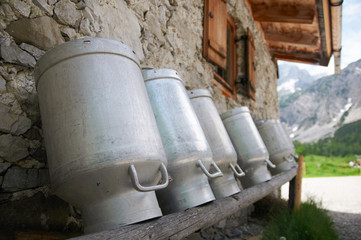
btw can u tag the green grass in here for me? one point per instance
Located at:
(321, 166)
(308, 223)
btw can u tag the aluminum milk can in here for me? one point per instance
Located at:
(104, 150)
(224, 154)
(251, 151)
(278, 143)
(188, 153)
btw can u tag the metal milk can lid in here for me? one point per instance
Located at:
(234, 111)
(198, 93)
(150, 73)
(80, 47)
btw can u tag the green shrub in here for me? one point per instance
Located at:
(308, 223)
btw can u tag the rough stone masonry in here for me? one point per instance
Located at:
(163, 33)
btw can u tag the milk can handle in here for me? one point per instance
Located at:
(218, 172)
(288, 158)
(270, 163)
(237, 170)
(140, 188)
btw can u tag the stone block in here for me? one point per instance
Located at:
(13, 54)
(39, 154)
(22, 7)
(13, 123)
(33, 134)
(9, 99)
(34, 51)
(68, 33)
(23, 86)
(17, 179)
(43, 5)
(66, 13)
(2, 84)
(8, 12)
(42, 32)
(4, 166)
(13, 148)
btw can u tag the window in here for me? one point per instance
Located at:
(219, 47)
(226, 78)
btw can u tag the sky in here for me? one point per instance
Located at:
(350, 40)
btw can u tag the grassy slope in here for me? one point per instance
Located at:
(321, 166)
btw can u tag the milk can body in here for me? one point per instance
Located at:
(186, 147)
(100, 133)
(224, 154)
(251, 151)
(278, 143)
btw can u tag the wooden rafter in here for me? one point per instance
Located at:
(296, 56)
(291, 13)
(296, 38)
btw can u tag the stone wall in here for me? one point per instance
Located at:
(163, 33)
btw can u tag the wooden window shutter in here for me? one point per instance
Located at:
(215, 32)
(251, 65)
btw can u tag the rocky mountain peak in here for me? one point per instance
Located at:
(319, 109)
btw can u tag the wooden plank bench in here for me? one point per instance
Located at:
(181, 224)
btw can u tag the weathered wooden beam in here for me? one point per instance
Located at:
(276, 12)
(294, 38)
(181, 224)
(302, 57)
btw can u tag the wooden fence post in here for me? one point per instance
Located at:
(291, 193)
(298, 190)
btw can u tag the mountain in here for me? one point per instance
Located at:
(292, 79)
(325, 105)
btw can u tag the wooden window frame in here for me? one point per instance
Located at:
(217, 48)
(214, 30)
(229, 89)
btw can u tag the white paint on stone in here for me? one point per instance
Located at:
(117, 22)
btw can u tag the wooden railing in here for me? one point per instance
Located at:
(181, 224)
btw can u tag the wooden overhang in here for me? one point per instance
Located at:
(306, 31)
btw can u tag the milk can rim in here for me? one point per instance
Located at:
(79, 47)
(201, 92)
(150, 74)
(234, 112)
